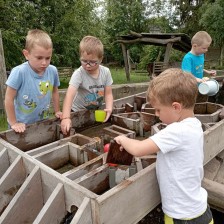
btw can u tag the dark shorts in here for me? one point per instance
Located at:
(205, 218)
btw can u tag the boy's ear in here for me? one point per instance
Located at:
(25, 53)
(177, 106)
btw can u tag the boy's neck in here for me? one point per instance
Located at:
(193, 52)
(186, 113)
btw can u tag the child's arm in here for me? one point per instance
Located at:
(108, 101)
(67, 105)
(56, 102)
(136, 147)
(210, 72)
(10, 110)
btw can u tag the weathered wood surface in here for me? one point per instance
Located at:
(21, 208)
(54, 209)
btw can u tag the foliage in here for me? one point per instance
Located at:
(121, 17)
(66, 21)
(213, 25)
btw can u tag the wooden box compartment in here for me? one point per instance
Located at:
(128, 120)
(21, 193)
(207, 112)
(114, 130)
(66, 157)
(146, 107)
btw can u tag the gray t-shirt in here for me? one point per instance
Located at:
(90, 90)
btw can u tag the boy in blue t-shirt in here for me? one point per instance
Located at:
(32, 84)
(193, 61)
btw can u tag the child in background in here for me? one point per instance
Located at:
(193, 61)
(89, 84)
(32, 84)
(179, 148)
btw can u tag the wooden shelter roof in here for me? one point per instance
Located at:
(181, 41)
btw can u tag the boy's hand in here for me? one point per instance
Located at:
(19, 127)
(118, 139)
(212, 72)
(109, 112)
(66, 124)
(58, 114)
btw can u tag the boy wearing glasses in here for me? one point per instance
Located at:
(90, 84)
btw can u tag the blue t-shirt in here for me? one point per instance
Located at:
(34, 92)
(193, 64)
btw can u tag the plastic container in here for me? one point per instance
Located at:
(100, 115)
(210, 87)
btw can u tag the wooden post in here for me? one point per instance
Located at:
(125, 61)
(3, 76)
(167, 53)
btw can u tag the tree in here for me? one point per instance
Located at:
(120, 18)
(212, 20)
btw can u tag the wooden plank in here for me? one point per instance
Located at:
(131, 194)
(11, 181)
(84, 214)
(54, 209)
(215, 192)
(84, 168)
(220, 175)
(22, 208)
(211, 169)
(213, 141)
(4, 161)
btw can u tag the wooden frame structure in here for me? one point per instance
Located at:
(178, 41)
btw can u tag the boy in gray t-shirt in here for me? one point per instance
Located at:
(89, 84)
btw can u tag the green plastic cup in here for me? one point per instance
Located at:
(100, 115)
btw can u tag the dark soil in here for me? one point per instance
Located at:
(156, 216)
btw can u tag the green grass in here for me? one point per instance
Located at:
(119, 77)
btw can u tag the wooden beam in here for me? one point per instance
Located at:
(150, 40)
(167, 53)
(3, 76)
(124, 51)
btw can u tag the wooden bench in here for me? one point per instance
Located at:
(65, 72)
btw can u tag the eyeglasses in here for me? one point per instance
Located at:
(90, 63)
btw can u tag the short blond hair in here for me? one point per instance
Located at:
(91, 45)
(173, 85)
(38, 37)
(200, 38)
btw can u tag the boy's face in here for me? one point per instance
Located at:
(39, 58)
(167, 114)
(90, 62)
(201, 49)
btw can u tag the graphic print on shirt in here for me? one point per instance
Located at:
(45, 87)
(29, 104)
(45, 113)
(94, 100)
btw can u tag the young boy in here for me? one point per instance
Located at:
(89, 84)
(31, 85)
(179, 148)
(193, 61)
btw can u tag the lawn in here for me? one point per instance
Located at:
(118, 75)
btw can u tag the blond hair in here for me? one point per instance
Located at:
(201, 38)
(38, 37)
(91, 45)
(173, 85)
